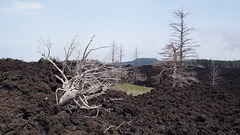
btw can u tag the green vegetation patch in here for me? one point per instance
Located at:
(131, 89)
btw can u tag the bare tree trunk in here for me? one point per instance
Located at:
(120, 61)
(136, 57)
(214, 75)
(113, 51)
(121, 55)
(181, 40)
(136, 65)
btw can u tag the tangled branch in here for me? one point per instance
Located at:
(88, 78)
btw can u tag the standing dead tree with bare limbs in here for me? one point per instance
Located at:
(180, 48)
(123, 73)
(215, 74)
(87, 80)
(121, 54)
(114, 51)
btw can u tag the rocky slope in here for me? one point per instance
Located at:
(27, 106)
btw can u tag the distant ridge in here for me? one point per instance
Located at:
(190, 62)
(141, 62)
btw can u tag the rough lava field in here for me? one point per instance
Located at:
(28, 105)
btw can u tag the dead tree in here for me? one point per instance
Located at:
(180, 47)
(136, 72)
(215, 75)
(113, 51)
(180, 37)
(121, 50)
(88, 79)
(170, 67)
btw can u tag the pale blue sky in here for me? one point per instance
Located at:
(131, 23)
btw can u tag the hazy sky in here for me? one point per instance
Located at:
(131, 23)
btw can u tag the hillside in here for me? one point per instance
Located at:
(141, 62)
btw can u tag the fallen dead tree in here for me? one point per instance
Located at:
(88, 79)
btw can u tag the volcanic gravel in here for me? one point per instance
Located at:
(28, 105)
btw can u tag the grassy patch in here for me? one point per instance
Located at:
(131, 89)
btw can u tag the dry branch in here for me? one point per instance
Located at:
(117, 127)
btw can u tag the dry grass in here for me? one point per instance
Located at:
(131, 89)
